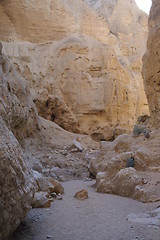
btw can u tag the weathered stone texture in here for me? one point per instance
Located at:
(141, 182)
(92, 62)
(16, 104)
(43, 21)
(84, 85)
(16, 188)
(17, 120)
(151, 64)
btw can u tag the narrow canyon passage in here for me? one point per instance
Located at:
(100, 217)
(79, 100)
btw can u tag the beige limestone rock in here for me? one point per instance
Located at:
(84, 86)
(16, 182)
(58, 188)
(140, 182)
(43, 184)
(41, 200)
(18, 119)
(64, 139)
(16, 104)
(151, 66)
(125, 181)
(92, 61)
(45, 21)
(81, 195)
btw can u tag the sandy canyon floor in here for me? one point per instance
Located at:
(100, 217)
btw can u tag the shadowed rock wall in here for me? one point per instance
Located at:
(18, 120)
(151, 64)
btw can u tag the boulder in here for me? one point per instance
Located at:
(81, 195)
(58, 188)
(41, 200)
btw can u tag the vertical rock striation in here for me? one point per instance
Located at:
(18, 119)
(151, 64)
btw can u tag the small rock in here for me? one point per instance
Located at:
(57, 186)
(61, 178)
(87, 179)
(74, 150)
(53, 195)
(76, 145)
(81, 195)
(49, 236)
(43, 184)
(130, 162)
(37, 167)
(59, 197)
(41, 201)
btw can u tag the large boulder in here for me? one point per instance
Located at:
(140, 182)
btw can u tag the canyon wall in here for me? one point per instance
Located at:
(18, 119)
(89, 61)
(81, 68)
(151, 64)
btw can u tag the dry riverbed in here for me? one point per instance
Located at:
(100, 217)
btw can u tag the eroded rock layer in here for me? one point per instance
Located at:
(17, 120)
(139, 180)
(21, 127)
(92, 63)
(151, 64)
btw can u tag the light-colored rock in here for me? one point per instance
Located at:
(92, 62)
(76, 146)
(17, 120)
(125, 182)
(41, 200)
(43, 184)
(81, 195)
(16, 105)
(58, 188)
(84, 85)
(140, 182)
(59, 197)
(37, 167)
(151, 66)
(45, 21)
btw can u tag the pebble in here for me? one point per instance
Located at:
(59, 197)
(49, 236)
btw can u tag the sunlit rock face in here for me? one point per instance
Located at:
(44, 21)
(18, 119)
(151, 64)
(88, 74)
(142, 180)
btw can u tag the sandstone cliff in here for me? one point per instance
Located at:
(92, 63)
(43, 21)
(142, 181)
(151, 66)
(21, 127)
(17, 120)
(84, 74)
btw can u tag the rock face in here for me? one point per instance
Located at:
(141, 182)
(17, 120)
(151, 66)
(92, 62)
(45, 21)
(83, 67)
(16, 104)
